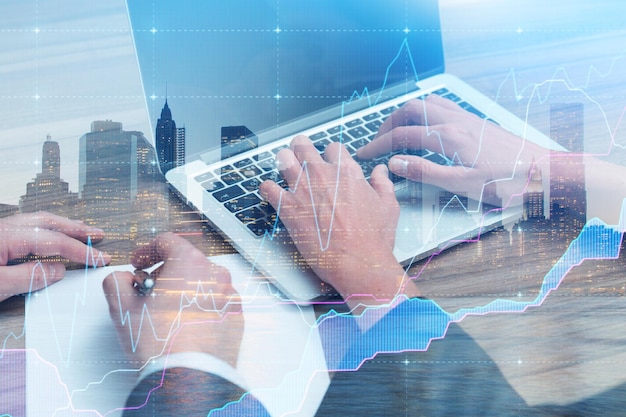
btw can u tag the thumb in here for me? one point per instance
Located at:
(419, 169)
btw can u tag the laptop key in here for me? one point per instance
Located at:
(453, 97)
(273, 176)
(204, 177)
(367, 168)
(250, 215)
(231, 178)
(267, 164)
(280, 148)
(250, 171)
(388, 110)
(317, 136)
(337, 138)
(465, 105)
(266, 207)
(353, 123)
(228, 193)
(359, 143)
(251, 185)
(321, 144)
(241, 203)
(259, 227)
(396, 179)
(242, 163)
(374, 126)
(418, 152)
(213, 185)
(358, 132)
(371, 116)
(275, 224)
(334, 130)
(262, 156)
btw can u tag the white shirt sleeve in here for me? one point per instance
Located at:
(198, 361)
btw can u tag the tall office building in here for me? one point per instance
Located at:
(170, 141)
(534, 195)
(112, 161)
(179, 154)
(48, 191)
(116, 174)
(568, 197)
(8, 210)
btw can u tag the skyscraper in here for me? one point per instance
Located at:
(568, 197)
(111, 161)
(48, 191)
(170, 141)
(180, 147)
(116, 174)
(534, 195)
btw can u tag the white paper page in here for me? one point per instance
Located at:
(75, 363)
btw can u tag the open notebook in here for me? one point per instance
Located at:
(75, 365)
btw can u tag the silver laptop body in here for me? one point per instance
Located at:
(224, 189)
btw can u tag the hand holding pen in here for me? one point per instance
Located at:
(192, 304)
(144, 282)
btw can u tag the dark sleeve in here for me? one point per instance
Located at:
(453, 377)
(188, 392)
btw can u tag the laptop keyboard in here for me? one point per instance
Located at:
(236, 185)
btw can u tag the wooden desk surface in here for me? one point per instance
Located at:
(572, 346)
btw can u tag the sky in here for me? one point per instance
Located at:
(64, 64)
(62, 67)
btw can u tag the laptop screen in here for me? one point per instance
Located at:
(262, 63)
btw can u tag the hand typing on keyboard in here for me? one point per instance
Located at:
(481, 151)
(343, 225)
(181, 319)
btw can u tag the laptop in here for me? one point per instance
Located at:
(258, 73)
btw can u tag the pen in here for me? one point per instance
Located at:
(143, 282)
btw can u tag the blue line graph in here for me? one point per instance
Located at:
(416, 322)
(428, 321)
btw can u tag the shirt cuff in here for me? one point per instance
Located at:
(195, 360)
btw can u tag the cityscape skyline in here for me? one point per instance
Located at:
(112, 87)
(120, 187)
(47, 191)
(56, 81)
(567, 129)
(113, 163)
